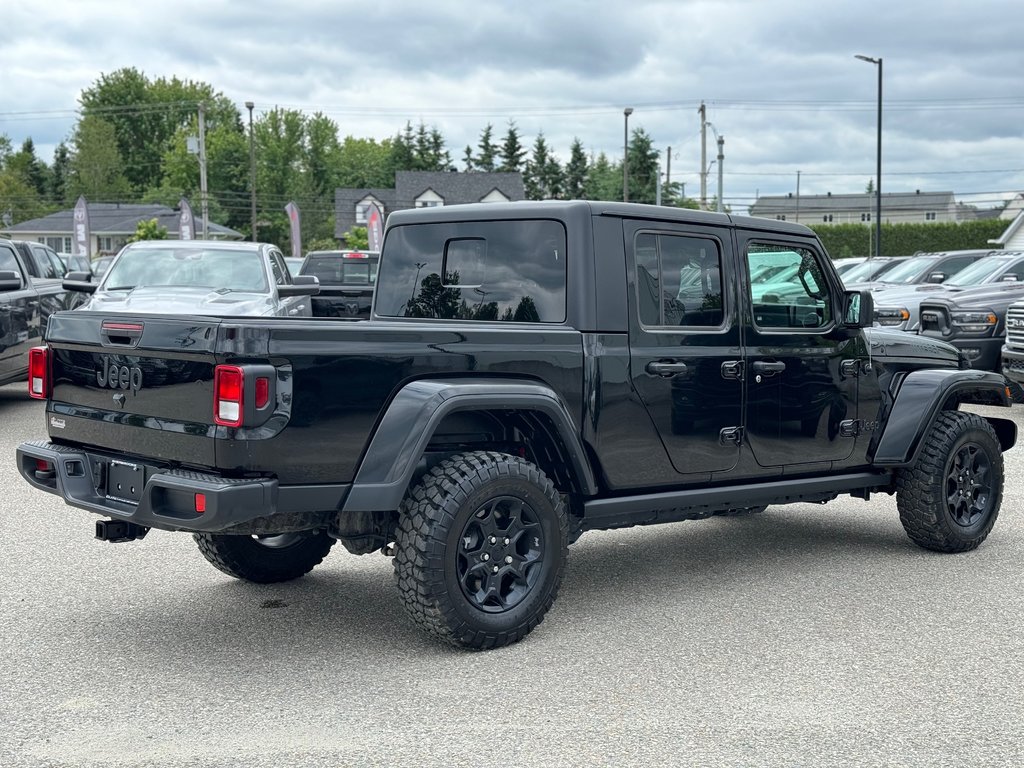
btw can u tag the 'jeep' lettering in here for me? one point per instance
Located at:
(119, 376)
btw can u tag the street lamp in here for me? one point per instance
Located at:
(878, 170)
(252, 171)
(625, 155)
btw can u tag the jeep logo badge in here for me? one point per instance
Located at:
(119, 376)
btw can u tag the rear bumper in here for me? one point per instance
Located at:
(167, 497)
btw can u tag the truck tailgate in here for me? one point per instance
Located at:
(136, 385)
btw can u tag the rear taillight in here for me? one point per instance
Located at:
(228, 393)
(39, 372)
(242, 394)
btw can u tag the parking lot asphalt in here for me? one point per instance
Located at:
(808, 635)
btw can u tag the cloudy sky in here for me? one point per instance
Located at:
(779, 78)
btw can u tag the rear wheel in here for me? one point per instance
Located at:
(480, 549)
(949, 500)
(265, 559)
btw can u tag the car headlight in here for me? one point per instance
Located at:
(974, 322)
(891, 315)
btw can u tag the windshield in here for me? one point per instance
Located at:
(166, 265)
(863, 271)
(338, 269)
(910, 271)
(979, 272)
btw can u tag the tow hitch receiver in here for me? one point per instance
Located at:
(119, 530)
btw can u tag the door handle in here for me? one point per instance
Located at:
(665, 368)
(768, 368)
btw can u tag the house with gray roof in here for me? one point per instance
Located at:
(110, 225)
(897, 208)
(425, 189)
(1012, 238)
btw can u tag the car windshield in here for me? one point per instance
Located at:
(863, 271)
(910, 271)
(980, 271)
(167, 265)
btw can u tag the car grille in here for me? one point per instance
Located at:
(935, 319)
(1015, 327)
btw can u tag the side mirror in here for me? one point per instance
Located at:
(9, 280)
(79, 281)
(302, 285)
(858, 309)
(936, 277)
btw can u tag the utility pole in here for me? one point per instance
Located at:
(625, 153)
(657, 185)
(798, 197)
(703, 158)
(668, 169)
(721, 158)
(202, 170)
(252, 172)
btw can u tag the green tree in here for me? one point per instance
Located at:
(357, 238)
(18, 201)
(543, 175)
(512, 154)
(29, 168)
(363, 163)
(56, 190)
(467, 159)
(148, 230)
(576, 172)
(643, 168)
(604, 180)
(146, 115)
(488, 151)
(96, 163)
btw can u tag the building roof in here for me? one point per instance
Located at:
(453, 187)
(891, 201)
(115, 219)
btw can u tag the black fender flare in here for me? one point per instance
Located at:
(920, 399)
(403, 433)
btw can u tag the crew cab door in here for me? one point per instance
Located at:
(801, 366)
(684, 341)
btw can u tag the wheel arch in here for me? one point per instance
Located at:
(926, 393)
(428, 413)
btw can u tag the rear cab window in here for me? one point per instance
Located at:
(342, 267)
(502, 271)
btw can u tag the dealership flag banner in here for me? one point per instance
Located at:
(80, 236)
(374, 226)
(293, 218)
(186, 221)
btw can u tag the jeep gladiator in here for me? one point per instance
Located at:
(529, 372)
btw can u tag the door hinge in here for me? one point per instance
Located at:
(731, 435)
(849, 428)
(849, 367)
(732, 369)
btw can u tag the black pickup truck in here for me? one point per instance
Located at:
(30, 291)
(530, 371)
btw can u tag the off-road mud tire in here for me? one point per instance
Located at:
(949, 500)
(265, 559)
(450, 539)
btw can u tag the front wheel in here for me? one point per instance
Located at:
(265, 559)
(480, 549)
(949, 500)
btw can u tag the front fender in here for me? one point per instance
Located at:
(404, 432)
(922, 395)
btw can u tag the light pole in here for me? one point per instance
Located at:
(878, 169)
(625, 155)
(252, 172)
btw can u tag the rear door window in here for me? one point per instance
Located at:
(505, 271)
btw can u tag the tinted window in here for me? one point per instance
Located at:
(44, 267)
(678, 280)
(496, 270)
(797, 296)
(336, 269)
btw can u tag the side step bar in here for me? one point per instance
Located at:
(649, 508)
